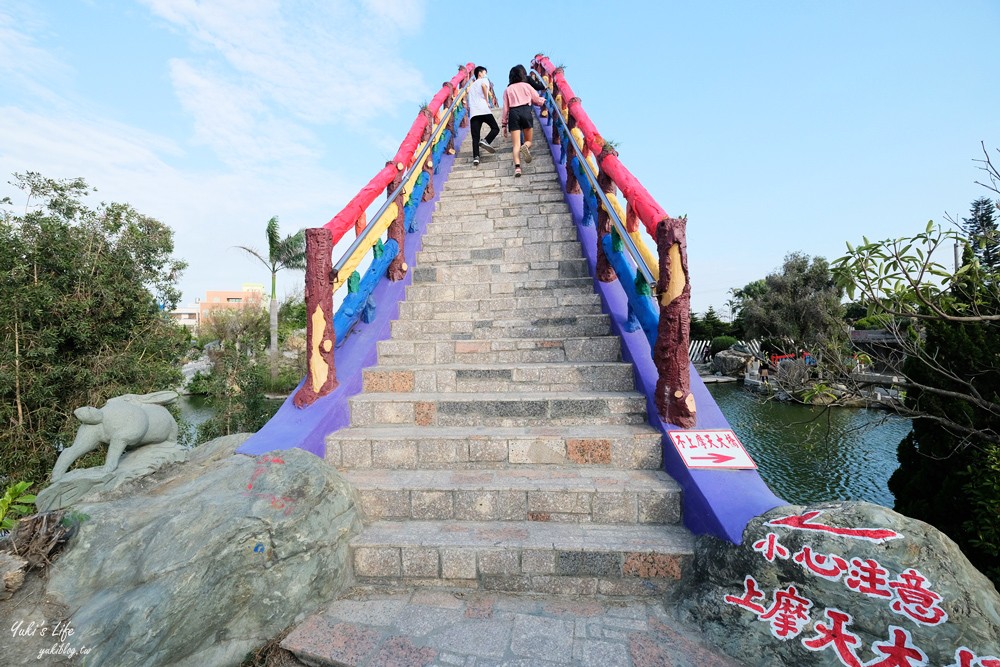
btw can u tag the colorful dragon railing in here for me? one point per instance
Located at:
(407, 180)
(618, 232)
(718, 502)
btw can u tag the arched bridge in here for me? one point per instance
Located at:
(507, 364)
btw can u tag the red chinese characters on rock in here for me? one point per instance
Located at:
(771, 548)
(916, 601)
(899, 651)
(829, 566)
(788, 614)
(805, 522)
(869, 578)
(751, 592)
(833, 634)
(964, 657)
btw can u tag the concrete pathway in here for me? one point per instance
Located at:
(426, 627)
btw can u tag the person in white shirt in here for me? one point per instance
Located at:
(480, 110)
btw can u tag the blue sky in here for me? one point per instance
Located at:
(775, 126)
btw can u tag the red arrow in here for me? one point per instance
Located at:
(804, 522)
(714, 457)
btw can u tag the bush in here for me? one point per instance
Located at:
(200, 384)
(720, 343)
(874, 322)
(84, 289)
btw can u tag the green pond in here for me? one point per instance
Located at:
(197, 409)
(808, 454)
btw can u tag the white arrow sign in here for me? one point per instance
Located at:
(715, 448)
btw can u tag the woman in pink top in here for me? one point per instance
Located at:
(517, 101)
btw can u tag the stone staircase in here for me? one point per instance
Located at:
(500, 444)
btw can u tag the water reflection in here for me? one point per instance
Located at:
(198, 409)
(811, 455)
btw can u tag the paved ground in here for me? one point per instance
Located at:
(430, 627)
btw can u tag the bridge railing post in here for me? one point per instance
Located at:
(674, 399)
(605, 272)
(397, 228)
(321, 374)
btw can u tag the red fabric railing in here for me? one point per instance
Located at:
(355, 208)
(649, 212)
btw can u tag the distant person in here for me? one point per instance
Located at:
(481, 103)
(532, 80)
(517, 101)
(764, 371)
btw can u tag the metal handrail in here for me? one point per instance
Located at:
(605, 202)
(417, 163)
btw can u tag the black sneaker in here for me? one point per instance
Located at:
(475, 162)
(486, 147)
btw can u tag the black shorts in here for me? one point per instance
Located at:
(519, 118)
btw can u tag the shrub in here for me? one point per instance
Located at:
(720, 343)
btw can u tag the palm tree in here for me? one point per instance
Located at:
(286, 253)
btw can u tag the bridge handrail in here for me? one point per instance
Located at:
(355, 209)
(629, 242)
(410, 172)
(391, 169)
(668, 331)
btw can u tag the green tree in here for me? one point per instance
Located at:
(946, 323)
(236, 384)
(282, 253)
(800, 303)
(714, 323)
(82, 295)
(981, 230)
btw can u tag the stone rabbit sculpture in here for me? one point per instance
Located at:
(124, 422)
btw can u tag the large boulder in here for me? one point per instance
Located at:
(196, 564)
(730, 362)
(850, 577)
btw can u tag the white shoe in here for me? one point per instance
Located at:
(486, 147)
(526, 154)
(475, 162)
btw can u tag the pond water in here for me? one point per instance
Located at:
(808, 454)
(198, 409)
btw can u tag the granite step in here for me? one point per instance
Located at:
(481, 201)
(500, 238)
(576, 494)
(551, 302)
(570, 326)
(598, 446)
(496, 271)
(520, 288)
(398, 351)
(543, 557)
(522, 253)
(498, 409)
(520, 218)
(412, 627)
(499, 378)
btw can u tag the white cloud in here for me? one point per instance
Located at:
(406, 15)
(209, 211)
(235, 123)
(270, 87)
(23, 64)
(317, 62)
